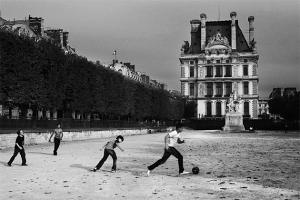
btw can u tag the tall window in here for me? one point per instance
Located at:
(245, 70)
(246, 108)
(219, 89)
(192, 69)
(218, 108)
(192, 89)
(208, 109)
(228, 87)
(182, 88)
(246, 87)
(209, 71)
(228, 71)
(182, 72)
(209, 89)
(219, 71)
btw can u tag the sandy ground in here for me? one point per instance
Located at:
(263, 165)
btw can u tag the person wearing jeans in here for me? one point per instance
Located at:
(109, 151)
(57, 138)
(170, 140)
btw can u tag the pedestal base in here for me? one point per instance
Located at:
(234, 122)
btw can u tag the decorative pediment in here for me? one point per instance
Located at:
(218, 41)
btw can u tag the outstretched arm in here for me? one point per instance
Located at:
(180, 140)
(51, 136)
(120, 147)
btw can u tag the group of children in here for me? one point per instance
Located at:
(170, 140)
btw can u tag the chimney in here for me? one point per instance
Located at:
(251, 29)
(61, 36)
(203, 30)
(233, 30)
(42, 28)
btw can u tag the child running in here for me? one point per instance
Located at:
(170, 140)
(19, 149)
(109, 150)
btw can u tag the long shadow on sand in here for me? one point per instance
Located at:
(80, 166)
(43, 153)
(5, 163)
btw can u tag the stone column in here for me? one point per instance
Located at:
(213, 107)
(223, 107)
(54, 115)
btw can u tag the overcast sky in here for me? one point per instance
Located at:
(149, 33)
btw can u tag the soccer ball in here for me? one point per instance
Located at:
(195, 170)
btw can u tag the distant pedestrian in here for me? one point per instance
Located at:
(19, 148)
(58, 135)
(109, 151)
(170, 140)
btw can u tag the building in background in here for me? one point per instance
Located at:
(218, 61)
(128, 70)
(33, 27)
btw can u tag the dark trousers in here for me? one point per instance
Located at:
(108, 152)
(168, 152)
(56, 145)
(22, 153)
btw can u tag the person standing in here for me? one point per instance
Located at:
(19, 148)
(109, 151)
(58, 135)
(170, 140)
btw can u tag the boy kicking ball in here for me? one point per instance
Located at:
(109, 150)
(170, 140)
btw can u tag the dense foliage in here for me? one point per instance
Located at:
(40, 76)
(286, 106)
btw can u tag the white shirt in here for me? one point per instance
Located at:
(173, 137)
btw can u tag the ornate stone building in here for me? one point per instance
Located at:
(219, 61)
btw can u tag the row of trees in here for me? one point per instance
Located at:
(287, 106)
(40, 76)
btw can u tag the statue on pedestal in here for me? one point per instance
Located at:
(233, 118)
(233, 103)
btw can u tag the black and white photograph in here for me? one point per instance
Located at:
(150, 99)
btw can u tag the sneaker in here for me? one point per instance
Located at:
(184, 172)
(93, 170)
(113, 171)
(148, 172)
(24, 165)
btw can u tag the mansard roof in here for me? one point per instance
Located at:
(214, 27)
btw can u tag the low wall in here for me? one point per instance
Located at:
(8, 140)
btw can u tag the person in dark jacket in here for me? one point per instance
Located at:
(19, 148)
(109, 151)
